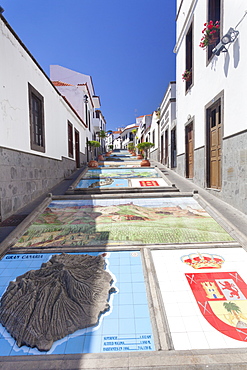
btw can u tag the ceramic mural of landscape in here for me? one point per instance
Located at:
(121, 172)
(103, 183)
(123, 221)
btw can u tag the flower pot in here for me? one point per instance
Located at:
(134, 153)
(187, 78)
(140, 156)
(213, 40)
(100, 157)
(93, 164)
(107, 154)
(145, 163)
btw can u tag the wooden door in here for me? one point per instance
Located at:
(189, 147)
(77, 148)
(162, 148)
(173, 148)
(215, 137)
(166, 147)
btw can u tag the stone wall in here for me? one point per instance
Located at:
(25, 176)
(234, 172)
(180, 169)
(199, 167)
(154, 156)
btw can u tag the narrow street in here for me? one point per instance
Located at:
(152, 275)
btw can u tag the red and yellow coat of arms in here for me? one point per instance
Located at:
(221, 297)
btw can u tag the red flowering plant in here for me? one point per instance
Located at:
(210, 34)
(186, 76)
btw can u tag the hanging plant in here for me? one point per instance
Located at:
(210, 34)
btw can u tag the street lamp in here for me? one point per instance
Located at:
(228, 38)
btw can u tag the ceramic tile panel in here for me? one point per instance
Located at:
(206, 307)
(127, 221)
(121, 173)
(102, 184)
(148, 182)
(125, 327)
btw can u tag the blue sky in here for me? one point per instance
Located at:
(125, 45)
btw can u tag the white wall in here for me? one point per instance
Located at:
(14, 105)
(225, 72)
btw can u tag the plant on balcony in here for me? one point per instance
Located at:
(210, 34)
(186, 76)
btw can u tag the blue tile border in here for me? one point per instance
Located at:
(121, 322)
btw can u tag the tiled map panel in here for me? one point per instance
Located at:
(121, 173)
(102, 184)
(123, 222)
(205, 296)
(126, 327)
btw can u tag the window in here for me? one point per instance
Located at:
(189, 57)
(36, 114)
(153, 136)
(214, 14)
(70, 140)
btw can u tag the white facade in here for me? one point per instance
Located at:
(211, 110)
(167, 127)
(117, 143)
(35, 153)
(14, 111)
(127, 135)
(143, 123)
(79, 91)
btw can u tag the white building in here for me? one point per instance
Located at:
(78, 89)
(211, 109)
(127, 135)
(167, 127)
(143, 123)
(43, 138)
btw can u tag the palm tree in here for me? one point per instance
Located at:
(235, 313)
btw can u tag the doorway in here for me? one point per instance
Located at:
(214, 138)
(173, 148)
(166, 148)
(162, 148)
(77, 149)
(189, 151)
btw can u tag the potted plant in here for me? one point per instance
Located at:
(100, 156)
(110, 147)
(92, 145)
(210, 34)
(131, 148)
(186, 76)
(145, 146)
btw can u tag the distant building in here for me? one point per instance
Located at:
(78, 89)
(127, 135)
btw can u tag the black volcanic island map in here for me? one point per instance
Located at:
(67, 293)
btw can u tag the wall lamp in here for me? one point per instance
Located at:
(85, 99)
(229, 37)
